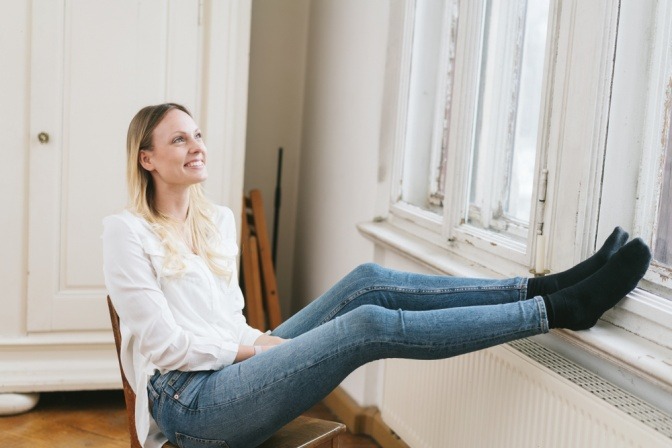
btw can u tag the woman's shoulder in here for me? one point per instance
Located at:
(222, 214)
(224, 220)
(222, 211)
(126, 220)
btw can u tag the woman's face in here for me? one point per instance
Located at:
(178, 156)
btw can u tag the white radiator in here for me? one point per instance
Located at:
(517, 395)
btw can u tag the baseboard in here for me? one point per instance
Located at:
(58, 363)
(362, 420)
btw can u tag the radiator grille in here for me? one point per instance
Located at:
(517, 395)
(597, 386)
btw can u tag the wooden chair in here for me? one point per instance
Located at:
(303, 432)
(262, 304)
(129, 395)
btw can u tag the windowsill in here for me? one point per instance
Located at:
(632, 360)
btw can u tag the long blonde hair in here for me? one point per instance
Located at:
(199, 223)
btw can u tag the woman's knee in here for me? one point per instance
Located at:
(368, 319)
(367, 270)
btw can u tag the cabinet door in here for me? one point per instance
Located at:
(93, 65)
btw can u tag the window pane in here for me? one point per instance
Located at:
(503, 157)
(663, 243)
(429, 90)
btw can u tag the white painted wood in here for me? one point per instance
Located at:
(90, 69)
(85, 89)
(656, 125)
(14, 82)
(581, 97)
(59, 361)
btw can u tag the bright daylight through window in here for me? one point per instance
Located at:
(504, 116)
(503, 157)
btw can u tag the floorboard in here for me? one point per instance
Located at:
(97, 419)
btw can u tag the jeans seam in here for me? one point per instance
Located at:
(541, 307)
(417, 291)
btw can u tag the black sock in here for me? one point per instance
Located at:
(578, 307)
(539, 286)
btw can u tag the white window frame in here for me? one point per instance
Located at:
(479, 244)
(449, 230)
(586, 129)
(636, 146)
(426, 219)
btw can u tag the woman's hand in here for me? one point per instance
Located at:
(268, 340)
(261, 344)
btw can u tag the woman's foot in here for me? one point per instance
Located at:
(578, 307)
(540, 286)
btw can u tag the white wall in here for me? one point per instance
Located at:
(342, 110)
(333, 187)
(275, 109)
(339, 155)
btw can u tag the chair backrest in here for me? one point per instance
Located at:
(129, 395)
(258, 278)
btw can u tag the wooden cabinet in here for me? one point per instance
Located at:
(91, 66)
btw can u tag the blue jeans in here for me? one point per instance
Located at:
(372, 313)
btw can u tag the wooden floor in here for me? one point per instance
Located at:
(96, 419)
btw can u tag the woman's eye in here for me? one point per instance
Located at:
(199, 136)
(178, 139)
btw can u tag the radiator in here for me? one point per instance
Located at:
(514, 395)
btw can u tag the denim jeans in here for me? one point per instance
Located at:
(372, 313)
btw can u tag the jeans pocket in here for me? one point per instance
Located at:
(187, 441)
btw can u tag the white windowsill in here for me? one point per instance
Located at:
(635, 363)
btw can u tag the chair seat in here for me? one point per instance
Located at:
(303, 432)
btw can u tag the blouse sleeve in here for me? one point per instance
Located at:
(142, 307)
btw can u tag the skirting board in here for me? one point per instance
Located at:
(362, 420)
(58, 363)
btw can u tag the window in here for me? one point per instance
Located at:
(638, 172)
(429, 82)
(659, 278)
(507, 118)
(663, 241)
(523, 134)
(478, 183)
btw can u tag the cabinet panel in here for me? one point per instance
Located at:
(92, 68)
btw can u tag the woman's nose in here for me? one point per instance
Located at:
(196, 145)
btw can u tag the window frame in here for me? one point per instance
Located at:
(641, 84)
(582, 121)
(478, 244)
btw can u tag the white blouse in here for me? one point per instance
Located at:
(190, 321)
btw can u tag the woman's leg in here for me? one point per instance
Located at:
(245, 403)
(371, 284)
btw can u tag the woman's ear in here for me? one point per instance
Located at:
(145, 160)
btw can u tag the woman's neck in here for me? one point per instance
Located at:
(174, 205)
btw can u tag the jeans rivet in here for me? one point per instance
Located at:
(176, 396)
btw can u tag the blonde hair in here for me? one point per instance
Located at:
(199, 221)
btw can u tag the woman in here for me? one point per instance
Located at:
(203, 377)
